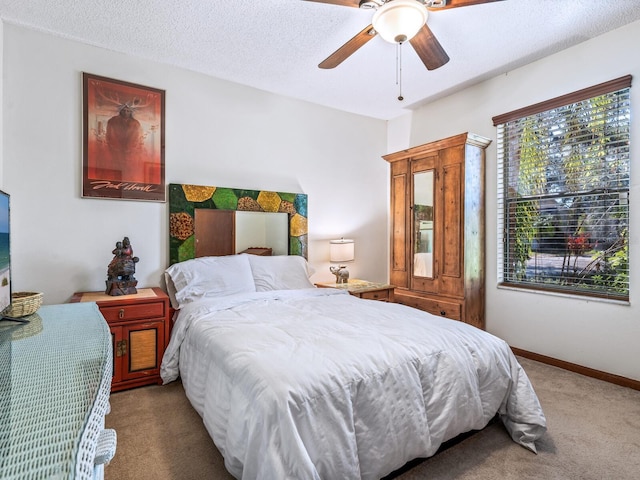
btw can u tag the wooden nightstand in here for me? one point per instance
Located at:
(364, 289)
(139, 326)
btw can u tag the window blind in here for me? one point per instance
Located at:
(563, 193)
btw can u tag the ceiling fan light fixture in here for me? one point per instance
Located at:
(399, 20)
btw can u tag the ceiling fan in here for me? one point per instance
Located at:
(398, 21)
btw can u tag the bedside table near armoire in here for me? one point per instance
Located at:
(139, 325)
(364, 289)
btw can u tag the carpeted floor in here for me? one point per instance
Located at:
(593, 434)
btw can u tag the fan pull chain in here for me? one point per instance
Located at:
(399, 70)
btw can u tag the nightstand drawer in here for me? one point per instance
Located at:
(382, 295)
(133, 312)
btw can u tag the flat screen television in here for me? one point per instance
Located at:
(5, 257)
(5, 253)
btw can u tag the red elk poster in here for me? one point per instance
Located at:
(123, 140)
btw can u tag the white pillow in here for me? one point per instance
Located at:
(209, 277)
(280, 272)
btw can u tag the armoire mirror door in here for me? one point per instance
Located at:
(423, 224)
(423, 266)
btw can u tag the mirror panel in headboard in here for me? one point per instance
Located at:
(185, 199)
(255, 229)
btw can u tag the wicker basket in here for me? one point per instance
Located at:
(23, 304)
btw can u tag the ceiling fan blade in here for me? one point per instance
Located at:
(346, 50)
(429, 49)
(343, 3)
(457, 3)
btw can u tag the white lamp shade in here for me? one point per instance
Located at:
(342, 250)
(399, 20)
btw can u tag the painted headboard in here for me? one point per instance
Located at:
(185, 199)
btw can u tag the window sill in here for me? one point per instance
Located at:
(584, 298)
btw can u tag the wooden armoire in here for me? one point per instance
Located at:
(437, 227)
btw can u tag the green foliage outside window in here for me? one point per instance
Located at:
(565, 198)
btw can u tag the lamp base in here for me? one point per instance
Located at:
(341, 273)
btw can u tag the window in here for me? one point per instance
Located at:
(563, 193)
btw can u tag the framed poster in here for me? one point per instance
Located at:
(123, 140)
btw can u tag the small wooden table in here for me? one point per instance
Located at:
(140, 330)
(364, 289)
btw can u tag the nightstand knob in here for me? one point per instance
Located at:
(443, 313)
(121, 313)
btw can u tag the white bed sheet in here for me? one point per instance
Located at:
(318, 384)
(423, 265)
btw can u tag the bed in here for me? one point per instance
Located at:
(298, 382)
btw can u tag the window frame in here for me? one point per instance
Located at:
(505, 276)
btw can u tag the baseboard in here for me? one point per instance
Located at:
(572, 367)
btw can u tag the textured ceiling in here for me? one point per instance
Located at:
(276, 45)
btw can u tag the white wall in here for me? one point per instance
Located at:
(598, 335)
(217, 133)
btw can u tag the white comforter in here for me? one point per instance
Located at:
(316, 383)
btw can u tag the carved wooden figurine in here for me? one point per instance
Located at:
(120, 279)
